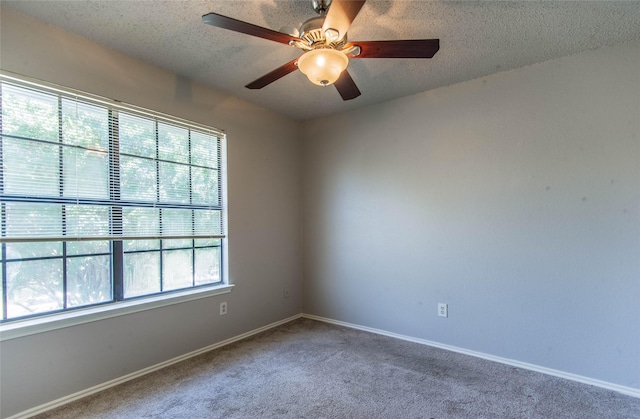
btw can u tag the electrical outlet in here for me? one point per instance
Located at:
(443, 310)
(285, 293)
(223, 308)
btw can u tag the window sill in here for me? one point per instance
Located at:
(28, 327)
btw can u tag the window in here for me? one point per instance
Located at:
(101, 202)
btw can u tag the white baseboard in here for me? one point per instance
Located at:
(629, 391)
(100, 387)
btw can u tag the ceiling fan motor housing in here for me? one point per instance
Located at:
(314, 37)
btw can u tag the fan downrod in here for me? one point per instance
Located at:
(321, 6)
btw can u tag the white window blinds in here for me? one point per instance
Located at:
(75, 167)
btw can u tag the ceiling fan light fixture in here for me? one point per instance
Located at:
(323, 66)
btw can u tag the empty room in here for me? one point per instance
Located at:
(319, 209)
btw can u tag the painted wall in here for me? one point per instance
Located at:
(514, 198)
(264, 223)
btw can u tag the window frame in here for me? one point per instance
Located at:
(119, 304)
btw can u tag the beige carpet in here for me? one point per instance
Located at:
(309, 369)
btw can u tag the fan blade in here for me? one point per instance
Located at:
(341, 14)
(232, 24)
(347, 87)
(414, 48)
(274, 75)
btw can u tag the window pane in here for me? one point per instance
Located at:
(207, 266)
(204, 186)
(31, 168)
(140, 222)
(89, 247)
(207, 242)
(85, 125)
(177, 269)
(34, 287)
(137, 136)
(88, 280)
(176, 222)
(33, 250)
(204, 150)
(29, 114)
(207, 222)
(87, 220)
(28, 220)
(86, 173)
(177, 244)
(173, 143)
(141, 274)
(137, 179)
(133, 245)
(174, 183)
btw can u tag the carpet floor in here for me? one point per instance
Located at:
(310, 369)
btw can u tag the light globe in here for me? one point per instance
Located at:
(323, 66)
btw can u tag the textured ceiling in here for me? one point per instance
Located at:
(477, 38)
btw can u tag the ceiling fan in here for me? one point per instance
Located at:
(327, 51)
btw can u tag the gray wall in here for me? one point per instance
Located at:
(514, 198)
(264, 223)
